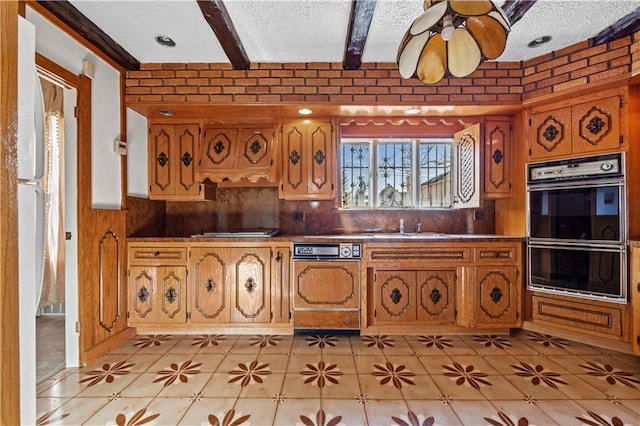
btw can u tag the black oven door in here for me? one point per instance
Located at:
(587, 271)
(577, 212)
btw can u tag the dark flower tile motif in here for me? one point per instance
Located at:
(279, 397)
(466, 374)
(196, 397)
(264, 341)
(413, 420)
(612, 376)
(394, 374)
(151, 340)
(321, 341)
(320, 420)
(178, 372)
(538, 375)
(505, 420)
(439, 342)
(321, 374)
(49, 418)
(108, 373)
(380, 342)
(208, 340)
(363, 399)
(137, 419)
(598, 420)
(246, 374)
(613, 399)
(493, 340)
(228, 419)
(446, 399)
(530, 400)
(548, 341)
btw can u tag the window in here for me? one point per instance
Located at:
(399, 166)
(410, 172)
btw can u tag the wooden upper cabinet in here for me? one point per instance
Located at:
(308, 160)
(237, 153)
(467, 144)
(581, 128)
(172, 162)
(497, 153)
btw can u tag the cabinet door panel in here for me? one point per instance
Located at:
(293, 163)
(209, 299)
(320, 164)
(394, 296)
(169, 296)
(251, 285)
(141, 293)
(497, 179)
(551, 133)
(186, 152)
(161, 160)
(496, 292)
(436, 296)
(596, 125)
(217, 148)
(255, 148)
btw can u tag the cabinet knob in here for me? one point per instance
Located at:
(156, 254)
(496, 254)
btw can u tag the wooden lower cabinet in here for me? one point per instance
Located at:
(209, 285)
(157, 295)
(459, 285)
(250, 284)
(497, 292)
(634, 287)
(209, 291)
(414, 296)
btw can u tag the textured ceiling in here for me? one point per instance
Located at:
(316, 30)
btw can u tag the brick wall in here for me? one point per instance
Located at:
(492, 83)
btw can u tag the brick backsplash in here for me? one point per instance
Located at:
(380, 83)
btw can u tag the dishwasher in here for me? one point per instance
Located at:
(326, 288)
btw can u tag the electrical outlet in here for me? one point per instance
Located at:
(478, 214)
(298, 216)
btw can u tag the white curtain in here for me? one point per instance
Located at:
(53, 286)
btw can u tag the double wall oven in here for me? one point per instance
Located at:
(576, 227)
(326, 293)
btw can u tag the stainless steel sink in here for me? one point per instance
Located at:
(251, 233)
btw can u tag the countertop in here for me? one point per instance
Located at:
(357, 237)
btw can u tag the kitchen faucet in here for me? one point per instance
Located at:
(401, 229)
(418, 228)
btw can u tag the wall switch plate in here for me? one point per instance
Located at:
(298, 216)
(120, 147)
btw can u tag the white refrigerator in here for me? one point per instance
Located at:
(31, 211)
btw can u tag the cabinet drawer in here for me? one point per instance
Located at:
(578, 315)
(148, 255)
(493, 255)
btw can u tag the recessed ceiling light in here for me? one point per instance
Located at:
(166, 112)
(412, 111)
(539, 41)
(165, 41)
(304, 111)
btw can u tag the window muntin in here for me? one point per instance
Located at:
(396, 173)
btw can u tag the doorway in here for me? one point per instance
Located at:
(55, 329)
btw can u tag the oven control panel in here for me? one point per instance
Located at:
(327, 251)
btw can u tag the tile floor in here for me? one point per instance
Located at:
(524, 379)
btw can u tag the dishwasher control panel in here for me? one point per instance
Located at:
(327, 251)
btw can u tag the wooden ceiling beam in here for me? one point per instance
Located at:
(623, 27)
(359, 23)
(74, 19)
(216, 15)
(515, 9)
